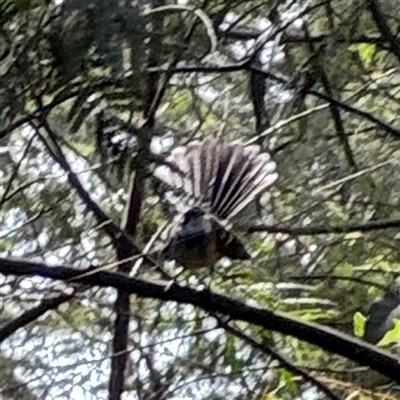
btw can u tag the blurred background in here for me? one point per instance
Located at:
(101, 91)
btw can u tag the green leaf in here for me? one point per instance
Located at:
(230, 350)
(290, 383)
(359, 324)
(392, 336)
(83, 149)
(5, 244)
(366, 52)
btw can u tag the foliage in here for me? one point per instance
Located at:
(106, 88)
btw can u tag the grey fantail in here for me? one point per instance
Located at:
(206, 188)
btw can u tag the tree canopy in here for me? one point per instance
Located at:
(94, 94)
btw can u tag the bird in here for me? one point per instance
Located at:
(207, 188)
(382, 314)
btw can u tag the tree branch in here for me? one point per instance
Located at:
(334, 109)
(153, 97)
(323, 337)
(122, 242)
(119, 237)
(58, 100)
(284, 361)
(31, 315)
(252, 35)
(326, 229)
(383, 125)
(381, 23)
(212, 69)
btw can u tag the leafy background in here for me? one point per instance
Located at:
(94, 93)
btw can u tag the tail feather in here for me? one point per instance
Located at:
(225, 177)
(221, 177)
(209, 160)
(195, 168)
(241, 178)
(259, 179)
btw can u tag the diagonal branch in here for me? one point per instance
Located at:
(14, 174)
(284, 361)
(242, 66)
(31, 315)
(326, 338)
(75, 90)
(346, 107)
(334, 109)
(384, 28)
(118, 237)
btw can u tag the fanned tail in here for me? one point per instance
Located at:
(220, 177)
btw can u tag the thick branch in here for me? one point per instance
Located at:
(323, 337)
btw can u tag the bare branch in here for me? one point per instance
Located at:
(154, 95)
(329, 229)
(252, 35)
(324, 337)
(33, 314)
(380, 20)
(334, 109)
(115, 233)
(284, 361)
(213, 69)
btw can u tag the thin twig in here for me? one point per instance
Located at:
(284, 361)
(329, 229)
